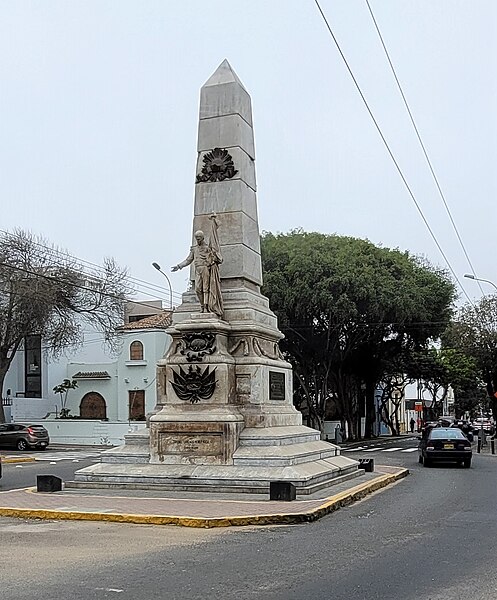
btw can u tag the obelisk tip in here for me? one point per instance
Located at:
(223, 74)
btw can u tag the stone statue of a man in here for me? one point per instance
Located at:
(206, 259)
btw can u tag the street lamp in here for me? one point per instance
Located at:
(157, 266)
(475, 278)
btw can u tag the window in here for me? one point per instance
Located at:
(136, 351)
(448, 434)
(32, 366)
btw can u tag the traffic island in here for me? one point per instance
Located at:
(202, 512)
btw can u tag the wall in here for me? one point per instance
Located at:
(27, 409)
(87, 432)
(105, 387)
(140, 375)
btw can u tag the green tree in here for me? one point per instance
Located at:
(43, 291)
(474, 334)
(439, 370)
(63, 390)
(343, 305)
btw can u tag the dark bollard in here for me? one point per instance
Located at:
(478, 447)
(367, 464)
(282, 490)
(48, 483)
(492, 446)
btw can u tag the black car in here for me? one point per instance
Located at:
(22, 437)
(444, 444)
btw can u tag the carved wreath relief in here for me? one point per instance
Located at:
(194, 385)
(218, 166)
(253, 346)
(197, 345)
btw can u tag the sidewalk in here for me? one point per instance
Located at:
(486, 449)
(188, 510)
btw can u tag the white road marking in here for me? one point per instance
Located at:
(74, 456)
(391, 449)
(409, 450)
(354, 449)
(372, 449)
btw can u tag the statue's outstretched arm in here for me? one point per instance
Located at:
(188, 261)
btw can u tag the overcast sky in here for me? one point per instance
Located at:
(99, 112)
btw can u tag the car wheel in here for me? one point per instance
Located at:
(22, 444)
(467, 463)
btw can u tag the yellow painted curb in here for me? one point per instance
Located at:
(21, 459)
(331, 504)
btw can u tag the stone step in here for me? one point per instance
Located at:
(323, 485)
(283, 455)
(278, 436)
(140, 437)
(133, 454)
(307, 477)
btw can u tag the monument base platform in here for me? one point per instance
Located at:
(294, 454)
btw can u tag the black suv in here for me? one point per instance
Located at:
(22, 437)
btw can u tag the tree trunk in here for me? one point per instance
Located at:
(3, 373)
(370, 409)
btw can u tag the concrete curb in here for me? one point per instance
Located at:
(329, 505)
(20, 459)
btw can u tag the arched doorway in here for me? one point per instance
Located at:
(93, 406)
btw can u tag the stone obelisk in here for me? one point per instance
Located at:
(225, 419)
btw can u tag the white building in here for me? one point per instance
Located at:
(125, 389)
(112, 391)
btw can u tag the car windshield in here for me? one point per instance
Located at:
(447, 434)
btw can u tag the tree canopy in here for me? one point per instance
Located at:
(474, 333)
(346, 306)
(43, 291)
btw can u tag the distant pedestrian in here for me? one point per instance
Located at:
(412, 423)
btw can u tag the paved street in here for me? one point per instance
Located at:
(60, 463)
(430, 536)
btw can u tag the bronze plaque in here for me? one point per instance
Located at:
(276, 385)
(191, 444)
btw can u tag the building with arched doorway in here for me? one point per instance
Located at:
(122, 390)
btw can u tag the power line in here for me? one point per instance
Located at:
(82, 262)
(76, 285)
(64, 254)
(399, 170)
(435, 178)
(97, 340)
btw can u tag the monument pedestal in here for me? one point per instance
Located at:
(197, 422)
(225, 421)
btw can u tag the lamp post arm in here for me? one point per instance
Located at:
(475, 278)
(158, 268)
(488, 281)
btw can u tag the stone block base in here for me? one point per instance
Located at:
(264, 455)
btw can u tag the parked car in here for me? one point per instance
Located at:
(465, 427)
(23, 437)
(488, 426)
(444, 444)
(446, 420)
